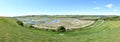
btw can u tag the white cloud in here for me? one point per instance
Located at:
(109, 5)
(97, 8)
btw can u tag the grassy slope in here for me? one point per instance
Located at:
(11, 32)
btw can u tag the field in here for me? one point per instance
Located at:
(54, 23)
(108, 31)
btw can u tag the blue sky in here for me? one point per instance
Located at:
(59, 7)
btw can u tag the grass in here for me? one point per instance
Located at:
(11, 32)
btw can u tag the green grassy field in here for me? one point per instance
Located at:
(11, 32)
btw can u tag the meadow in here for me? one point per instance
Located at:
(108, 31)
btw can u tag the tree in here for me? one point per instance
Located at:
(20, 23)
(61, 29)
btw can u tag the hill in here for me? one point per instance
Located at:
(10, 31)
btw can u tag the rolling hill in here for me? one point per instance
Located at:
(10, 31)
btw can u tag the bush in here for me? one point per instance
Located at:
(32, 26)
(61, 29)
(20, 23)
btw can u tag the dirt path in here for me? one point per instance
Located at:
(98, 24)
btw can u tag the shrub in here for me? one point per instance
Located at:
(20, 23)
(31, 26)
(61, 29)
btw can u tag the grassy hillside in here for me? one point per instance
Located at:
(11, 32)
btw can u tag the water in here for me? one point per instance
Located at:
(56, 21)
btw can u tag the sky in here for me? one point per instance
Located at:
(59, 7)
